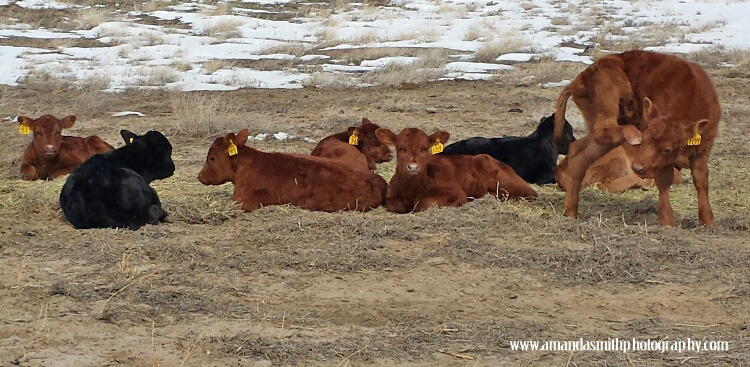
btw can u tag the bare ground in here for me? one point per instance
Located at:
(283, 286)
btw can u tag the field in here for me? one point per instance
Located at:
(284, 286)
(217, 287)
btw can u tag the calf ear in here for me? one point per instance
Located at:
(365, 120)
(67, 122)
(241, 137)
(23, 120)
(442, 136)
(350, 130)
(128, 136)
(649, 108)
(696, 126)
(385, 136)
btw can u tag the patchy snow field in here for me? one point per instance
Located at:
(288, 44)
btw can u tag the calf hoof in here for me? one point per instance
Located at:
(571, 214)
(631, 134)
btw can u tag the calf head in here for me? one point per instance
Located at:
(46, 131)
(412, 147)
(220, 165)
(663, 141)
(547, 128)
(155, 152)
(369, 144)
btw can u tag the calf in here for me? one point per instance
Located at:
(533, 157)
(666, 109)
(423, 180)
(611, 173)
(314, 183)
(111, 190)
(50, 154)
(357, 147)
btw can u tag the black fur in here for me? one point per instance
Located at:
(533, 157)
(111, 190)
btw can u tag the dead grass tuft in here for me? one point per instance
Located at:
(203, 114)
(223, 29)
(212, 66)
(91, 17)
(491, 49)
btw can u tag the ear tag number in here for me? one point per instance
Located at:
(437, 147)
(232, 149)
(24, 129)
(695, 140)
(354, 138)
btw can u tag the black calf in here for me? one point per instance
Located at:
(111, 190)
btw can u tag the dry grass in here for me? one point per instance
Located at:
(158, 76)
(91, 17)
(491, 49)
(203, 114)
(223, 29)
(290, 48)
(212, 66)
(152, 6)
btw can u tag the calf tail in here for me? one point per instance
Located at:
(562, 104)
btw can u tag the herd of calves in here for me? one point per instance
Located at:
(648, 115)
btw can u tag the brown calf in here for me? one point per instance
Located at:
(357, 147)
(261, 179)
(50, 154)
(667, 110)
(423, 180)
(612, 173)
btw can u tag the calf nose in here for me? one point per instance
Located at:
(413, 167)
(637, 168)
(49, 147)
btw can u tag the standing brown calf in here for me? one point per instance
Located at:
(357, 147)
(667, 110)
(612, 173)
(261, 179)
(423, 180)
(50, 155)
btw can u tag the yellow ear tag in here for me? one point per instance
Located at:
(131, 140)
(354, 138)
(437, 147)
(232, 149)
(695, 140)
(24, 129)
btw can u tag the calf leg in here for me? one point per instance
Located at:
(582, 153)
(441, 197)
(699, 170)
(28, 172)
(510, 184)
(621, 184)
(663, 178)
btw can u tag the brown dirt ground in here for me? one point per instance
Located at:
(285, 286)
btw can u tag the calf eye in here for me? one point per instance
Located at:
(212, 159)
(402, 150)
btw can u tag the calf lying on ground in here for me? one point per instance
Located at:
(611, 173)
(667, 110)
(111, 190)
(423, 180)
(314, 183)
(357, 147)
(50, 155)
(533, 157)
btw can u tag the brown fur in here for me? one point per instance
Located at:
(611, 173)
(364, 155)
(50, 155)
(654, 102)
(315, 183)
(423, 180)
